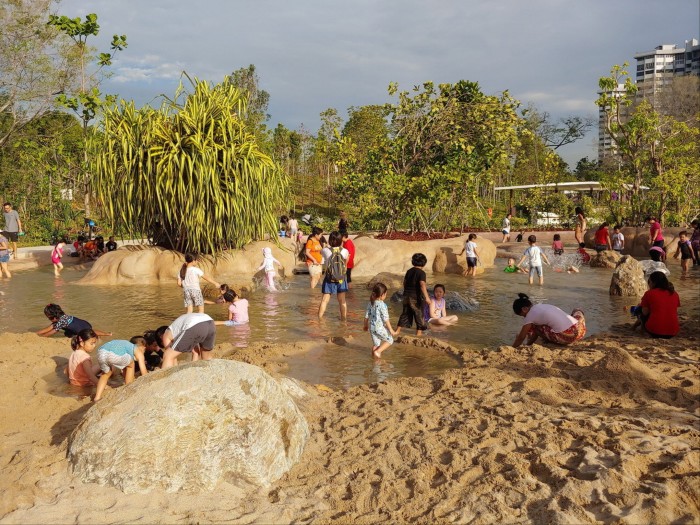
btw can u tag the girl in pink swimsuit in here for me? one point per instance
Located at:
(56, 255)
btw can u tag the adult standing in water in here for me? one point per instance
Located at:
(580, 226)
(333, 255)
(656, 236)
(314, 259)
(190, 333)
(13, 226)
(548, 322)
(505, 228)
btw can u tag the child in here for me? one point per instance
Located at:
(223, 288)
(472, 254)
(237, 310)
(61, 321)
(557, 245)
(435, 312)
(415, 294)
(56, 255)
(585, 257)
(268, 265)
(111, 244)
(636, 313)
(685, 250)
(519, 237)
(534, 256)
(377, 321)
(188, 278)
(122, 355)
(512, 267)
(618, 240)
(4, 255)
(81, 370)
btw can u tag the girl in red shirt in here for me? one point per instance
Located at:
(602, 238)
(660, 307)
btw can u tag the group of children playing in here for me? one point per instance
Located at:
(418, 306)
(84, 249)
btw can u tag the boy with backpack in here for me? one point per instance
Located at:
(335, 265)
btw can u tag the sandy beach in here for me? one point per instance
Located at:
(605, 430)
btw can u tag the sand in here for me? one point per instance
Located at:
(603, 431)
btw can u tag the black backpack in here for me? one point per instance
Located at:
(336, 266)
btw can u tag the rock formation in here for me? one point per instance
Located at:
(628, 278)
(188, 427)
(606, 259)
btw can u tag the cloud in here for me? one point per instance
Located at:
(146, 68)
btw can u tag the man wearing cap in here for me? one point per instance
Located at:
(13, 226)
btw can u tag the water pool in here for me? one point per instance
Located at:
(290, 315)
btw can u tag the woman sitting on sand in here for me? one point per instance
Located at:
(660, 307)
(547, 321)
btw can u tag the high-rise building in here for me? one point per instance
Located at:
(655, 69)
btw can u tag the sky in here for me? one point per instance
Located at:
(311, 55)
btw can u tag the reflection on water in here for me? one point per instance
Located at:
(291, 314)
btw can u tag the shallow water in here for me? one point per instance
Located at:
(290, 315)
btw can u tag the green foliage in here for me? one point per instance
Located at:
(190, 173)
(441, 144)
(657, 150)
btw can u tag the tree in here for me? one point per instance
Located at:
(190, 173)
(443, 145)
(366, 128)
(656, 150)
(556, 134)
(256, 116)
(87, 100)
(35, 64)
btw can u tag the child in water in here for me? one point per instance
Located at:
(686, 253)
(512, 267)
(81, 370)
(237, 310)
(557, 245)
(585, 257)
(435, 312)
(377, 321)
(268, 265)
(188, 278)
(534, 257)
(56, 255)
(122, 355)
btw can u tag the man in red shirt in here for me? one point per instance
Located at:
(350, 247)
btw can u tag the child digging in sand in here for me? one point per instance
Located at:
(81, 370)
(377, 321)
(122, 355)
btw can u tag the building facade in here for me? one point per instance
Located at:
(655, 70)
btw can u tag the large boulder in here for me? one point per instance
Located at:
(151, 265)
(188, 427)
(447, 261)
(391, 280)
(628, 278)
(605, 259)
(395, 256)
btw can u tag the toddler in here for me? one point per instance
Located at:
(585, 257)
(377, 321)
(268, 265)
(435, 312)
(557, 245)
(512, 267)
(56, 255)
(686, 252)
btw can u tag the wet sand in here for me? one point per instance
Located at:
(603, 431)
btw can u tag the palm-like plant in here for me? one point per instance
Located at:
(189, 174)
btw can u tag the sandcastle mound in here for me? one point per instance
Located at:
(189, 427)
